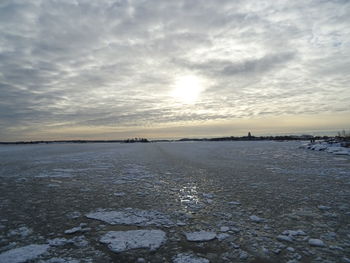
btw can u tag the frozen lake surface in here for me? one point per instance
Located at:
(173, 202)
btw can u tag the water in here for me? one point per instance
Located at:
(47, 189)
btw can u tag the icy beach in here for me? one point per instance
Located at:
(183, 202)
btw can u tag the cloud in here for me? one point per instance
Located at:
(114, 62)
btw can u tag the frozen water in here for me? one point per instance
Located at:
(316, 242)
(189, 258)
(294, 233)
(23, 254)
(256, 219)
(284, 238)
(73, 230)
(334, 148)
(60, 260)
(129, 216)
(200, 236)
(56, 242)
(119, 241)
(22, 232)
(179, 188)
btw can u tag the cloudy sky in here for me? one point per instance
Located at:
(167, 69)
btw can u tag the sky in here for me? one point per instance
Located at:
(113, 69)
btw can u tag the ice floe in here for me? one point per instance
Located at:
(22, 231)
(222, 236)
(200, 236)
(79, 241)
(60, 260)
(234, 203)
(81, 228)
(285, 238)
(189, 258)
(57, 242)
(335, 148)
(131, 216)
(316, 242)
(23, 254)
(294, 233)
(119, 241)
(256, 219)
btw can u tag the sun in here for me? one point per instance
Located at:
(187, 89)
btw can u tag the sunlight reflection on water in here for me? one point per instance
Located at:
(189, 195)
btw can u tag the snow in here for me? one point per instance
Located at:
(200, 236)
(334, 148)
(130, 216)
(23, 254)
(189, 258)
(119, 241)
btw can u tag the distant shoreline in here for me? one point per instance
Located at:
(230, 138)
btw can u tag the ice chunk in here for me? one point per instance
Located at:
(23, 254)
(119, 194)
(284, 238)
(200, 236)
(222, 236)
(79, 241)
(189, 258)
(208, 196)
(60, 260)
(224, 228)
(119, 241)
(56, 242)
(234, 203)
(129, 216)
(316, 242)
(22, 231)
(256, 219)
(73, 230)
(294, 233)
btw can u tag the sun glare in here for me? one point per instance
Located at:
(187, 89)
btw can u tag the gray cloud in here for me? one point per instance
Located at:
(114, 62)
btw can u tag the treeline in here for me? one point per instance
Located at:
(79, 141)
(263, 138)
(136, 140)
